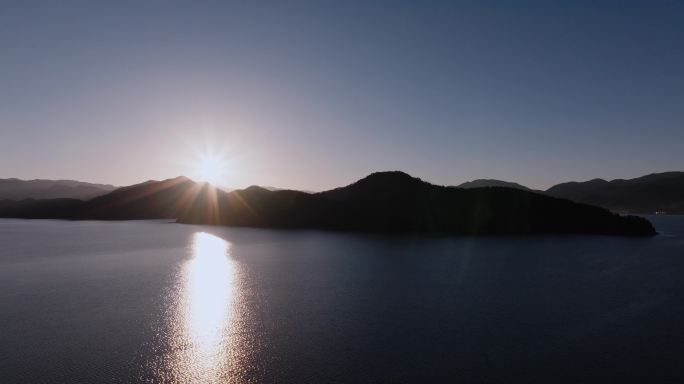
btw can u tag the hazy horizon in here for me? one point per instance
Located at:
(341, 184)
(311, 95)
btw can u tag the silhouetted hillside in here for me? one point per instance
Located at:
(658, 192)
(395, 201)
(483, 183)
(167, 199)
(16, 189)
(383, 201)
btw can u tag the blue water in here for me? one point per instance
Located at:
(149, 301)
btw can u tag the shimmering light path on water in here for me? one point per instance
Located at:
(156, 302)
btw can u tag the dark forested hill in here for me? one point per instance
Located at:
(658, 192)
(383, 201)
(167, 199)
(395, 201)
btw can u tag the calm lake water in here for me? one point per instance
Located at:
(87, 302)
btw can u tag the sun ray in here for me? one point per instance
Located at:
(212, 168)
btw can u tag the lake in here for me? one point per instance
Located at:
(152, 301)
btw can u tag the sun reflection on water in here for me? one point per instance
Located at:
(209, 293)
(202, 322)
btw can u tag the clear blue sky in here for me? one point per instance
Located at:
(316, 94)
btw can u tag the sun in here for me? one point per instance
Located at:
(212, 169)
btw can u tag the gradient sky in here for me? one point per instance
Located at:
(313, 95)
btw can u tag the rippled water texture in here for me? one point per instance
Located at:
(200, 333)
(150, 301)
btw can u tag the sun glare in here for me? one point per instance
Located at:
(212, 169)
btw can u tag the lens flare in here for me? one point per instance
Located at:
(212, 169)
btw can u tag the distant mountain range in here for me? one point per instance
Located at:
(168, 199)
(654, 193)
(383, 201)
(16, 189)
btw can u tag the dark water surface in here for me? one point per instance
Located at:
(87, 302)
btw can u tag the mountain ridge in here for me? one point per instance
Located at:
(380, 202)
(397, 202)
(653, 193)
(18, 189)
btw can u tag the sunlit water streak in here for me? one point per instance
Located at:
(202, 335)
(110, 302)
